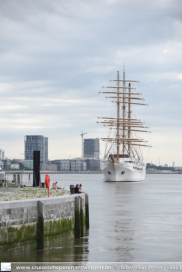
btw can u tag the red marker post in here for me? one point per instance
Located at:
(47, 182)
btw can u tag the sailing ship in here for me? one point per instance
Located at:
(123, 159)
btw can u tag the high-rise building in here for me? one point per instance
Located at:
(173, 164)
(39, 143)
(91, 148)
(2, 154)
(46, 150)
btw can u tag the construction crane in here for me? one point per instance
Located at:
(82, 155)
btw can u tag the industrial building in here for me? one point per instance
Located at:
(62, 165)
(39, 143)
(15, 166)
(77, 164)
(48, 167)
(70, 165)
(92, 164)
(1, 165)
(28, 164)
(6, 164)
(91, 148)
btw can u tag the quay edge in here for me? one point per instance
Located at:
(38, 223)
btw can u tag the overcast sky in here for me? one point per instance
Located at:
(55, 55)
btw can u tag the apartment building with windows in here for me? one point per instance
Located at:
(2, 154)
(36, 142)
(91, 148)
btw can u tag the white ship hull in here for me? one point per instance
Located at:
(123, 172)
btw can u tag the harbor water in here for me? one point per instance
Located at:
(129, 222)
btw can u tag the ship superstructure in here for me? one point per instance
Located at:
(123, 159)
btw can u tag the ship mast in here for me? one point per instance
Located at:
(118, 109)
(123, 105)
(124, 96)
(129, 116)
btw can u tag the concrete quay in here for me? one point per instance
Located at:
(38, 223)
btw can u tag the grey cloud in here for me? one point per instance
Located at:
(68, 49)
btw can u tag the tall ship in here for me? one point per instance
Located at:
(123, 159)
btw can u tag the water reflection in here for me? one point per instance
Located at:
(73, 250)
(124, 221)
(81, 248)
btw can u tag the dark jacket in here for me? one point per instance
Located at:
(77, 190)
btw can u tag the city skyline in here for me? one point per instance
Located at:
(57, 55)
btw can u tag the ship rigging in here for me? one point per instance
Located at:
(123, 147)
